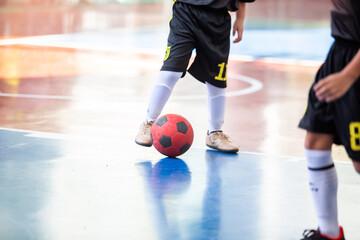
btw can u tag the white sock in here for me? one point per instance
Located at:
(161, 92)
(216, 107)
(323, 186)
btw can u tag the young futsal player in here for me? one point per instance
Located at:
(333, 116)
(204, 26)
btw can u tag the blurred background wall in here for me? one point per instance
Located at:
(20, 18)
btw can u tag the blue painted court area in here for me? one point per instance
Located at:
(286, 44)
(55, 186)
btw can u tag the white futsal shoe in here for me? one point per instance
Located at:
(143, 137)
(221, 142)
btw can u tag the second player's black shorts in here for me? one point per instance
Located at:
(340, 118)
(208, 32)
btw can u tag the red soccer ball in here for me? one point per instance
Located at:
(172, 135)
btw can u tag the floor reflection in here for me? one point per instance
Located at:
(165, 182)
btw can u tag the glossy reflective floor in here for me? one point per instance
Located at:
(74, 85)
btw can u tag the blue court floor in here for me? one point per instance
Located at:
(101, 187)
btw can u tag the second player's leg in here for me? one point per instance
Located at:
(356, 166)
(318, 141)
(323, 181)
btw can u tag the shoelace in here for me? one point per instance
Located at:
(148, 126)
(224, 136)
(311, 234)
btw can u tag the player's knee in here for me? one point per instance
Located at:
(168, 79)
(215, 92)
(318, 141)
(357, 166)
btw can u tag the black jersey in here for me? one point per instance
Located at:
(231, 5)
(345, 20)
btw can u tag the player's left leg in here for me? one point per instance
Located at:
(216, 107)
(215, 138)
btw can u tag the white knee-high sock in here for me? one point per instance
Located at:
(161, 92)
(323, 186)
(216, 107)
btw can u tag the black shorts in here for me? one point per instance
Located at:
(206, 30)
(340, 118)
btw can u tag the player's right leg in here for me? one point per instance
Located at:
(160, 94)
(178, 52)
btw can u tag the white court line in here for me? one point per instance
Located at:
(255, 85)
(55, 97)
(30, 133)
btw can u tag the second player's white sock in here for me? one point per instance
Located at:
(216, 107)
(323, 186)
(161, 92)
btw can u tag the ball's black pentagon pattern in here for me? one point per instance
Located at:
(182, 127)
(172, 135)
(184, 148)
(165, 141)
(161, 121)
